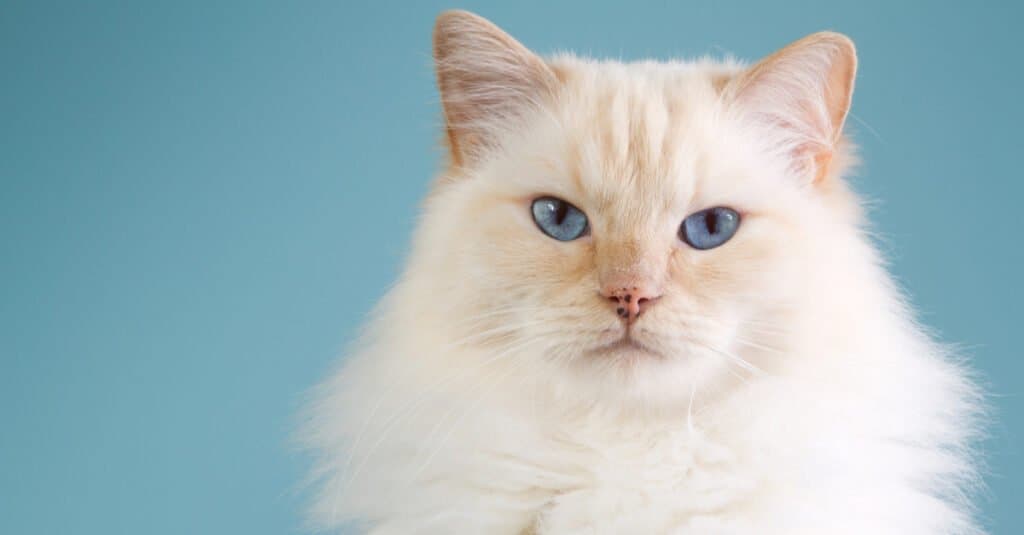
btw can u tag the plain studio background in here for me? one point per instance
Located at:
(200, 201)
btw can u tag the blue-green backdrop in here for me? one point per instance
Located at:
(199, 201)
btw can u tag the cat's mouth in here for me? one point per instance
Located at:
(626, 346)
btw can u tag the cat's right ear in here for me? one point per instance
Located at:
(486, 79)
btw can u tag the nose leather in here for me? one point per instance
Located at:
(630, 299)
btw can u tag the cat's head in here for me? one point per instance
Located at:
(640, 229)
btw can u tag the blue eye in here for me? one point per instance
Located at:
(709, 228)
(559, 219)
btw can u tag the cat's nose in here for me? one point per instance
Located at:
(630, 302)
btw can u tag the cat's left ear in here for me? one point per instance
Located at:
(799, 97)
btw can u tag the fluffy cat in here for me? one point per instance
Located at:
(572, 350)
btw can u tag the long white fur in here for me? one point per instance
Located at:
(803, 400)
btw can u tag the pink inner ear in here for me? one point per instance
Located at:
(800, 96)
(485, 77)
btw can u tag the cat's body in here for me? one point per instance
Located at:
(774, 384)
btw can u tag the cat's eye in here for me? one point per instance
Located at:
(559, 219)
(709, 228)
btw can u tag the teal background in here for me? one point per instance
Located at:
(199, 201)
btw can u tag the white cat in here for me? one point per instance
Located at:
(641, 300)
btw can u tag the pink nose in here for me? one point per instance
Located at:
(630, 301)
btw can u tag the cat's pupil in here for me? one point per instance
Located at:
(711, 221)
(561, 210)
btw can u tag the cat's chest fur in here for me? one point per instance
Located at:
(595, 473)
(652, 479)
(771, 467)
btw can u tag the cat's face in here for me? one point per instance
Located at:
(559, 230)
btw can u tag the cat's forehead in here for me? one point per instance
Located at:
(639, 130)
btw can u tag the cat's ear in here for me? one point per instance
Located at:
(800, 97)
(486, 79)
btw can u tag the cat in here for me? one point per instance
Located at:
(641, 299)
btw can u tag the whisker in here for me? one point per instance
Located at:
(495, 331)
(476, 400)
(413, 406)
(762, 347)
(736, 359)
